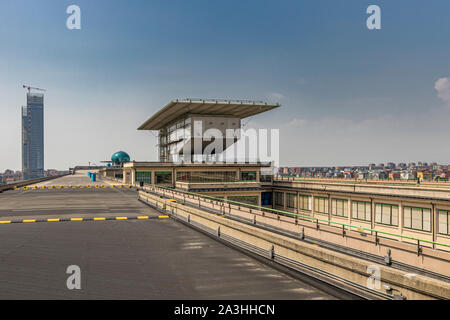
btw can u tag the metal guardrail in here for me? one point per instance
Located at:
(11, 186)
(306, 217)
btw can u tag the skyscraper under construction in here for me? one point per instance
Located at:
(33, 136)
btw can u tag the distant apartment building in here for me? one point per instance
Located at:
(33, 137)
(407, 175)
(10, 176)
(390, 165)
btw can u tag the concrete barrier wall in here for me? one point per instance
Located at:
(27, 182)
(352, 269)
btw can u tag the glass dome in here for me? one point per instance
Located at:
(120, 157)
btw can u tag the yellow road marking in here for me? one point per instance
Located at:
(53, 220)
(121, 218)
(6, 221)
(76, 219)
(163, 217)
(100, 218)
(142, 217)
(28, 221)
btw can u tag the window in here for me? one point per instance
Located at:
(304, 202)
(339, 207)
(386, 214)
(321, 204)
(361, 210)
(245, 199)
(279, 201)
(248, 175)
(206, 176)
(444, 220)
(265, 178)
(290, 200)
(145, 177)
(417, 218)
(163, 177)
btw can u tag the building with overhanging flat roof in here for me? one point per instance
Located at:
(182, 125)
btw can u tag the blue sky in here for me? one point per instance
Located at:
(349, 95)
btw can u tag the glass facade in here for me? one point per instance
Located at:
(33, 137)
(279, 200)
(145, 177)
(163, 177)
(291, 200)
(206, 176)
(248, 175)
(172, 138)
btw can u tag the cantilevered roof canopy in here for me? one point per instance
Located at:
(177, 108)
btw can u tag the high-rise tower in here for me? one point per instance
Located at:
(33, 136)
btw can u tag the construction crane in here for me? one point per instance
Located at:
(29, 88)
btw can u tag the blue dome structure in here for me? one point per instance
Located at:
(120, 157)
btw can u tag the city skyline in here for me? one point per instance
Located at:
(349, 95)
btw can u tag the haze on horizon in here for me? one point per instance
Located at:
(349, 95)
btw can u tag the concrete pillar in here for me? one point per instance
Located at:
(133, 176)
(284, 200)
(329, 208)
(372, 214)
(349, 209)
(434, 221)
(153, 177)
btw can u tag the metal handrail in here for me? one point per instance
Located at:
(304, 216)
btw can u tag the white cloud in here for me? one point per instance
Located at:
(442, 86)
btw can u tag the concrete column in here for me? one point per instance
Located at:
(298, 202)
(313, 207)
(400, 218)
(133, 176)
(372, 214)
(350, 209)
(434, 221)
(153, 177)
(273, 199)
(284, 200)
(329, 208)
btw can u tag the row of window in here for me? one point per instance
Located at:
(215, 176)
(206, 176)
(387, 214)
